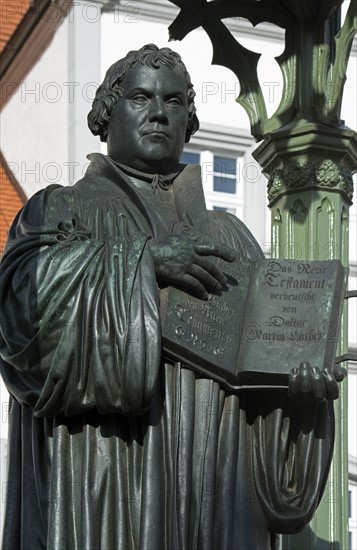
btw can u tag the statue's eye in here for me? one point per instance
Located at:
(139, 98)
(174, 101)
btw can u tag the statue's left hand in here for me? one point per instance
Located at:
(309, 383)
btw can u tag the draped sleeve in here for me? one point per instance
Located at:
(80, 315)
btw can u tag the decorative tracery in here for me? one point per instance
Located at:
(313, 69)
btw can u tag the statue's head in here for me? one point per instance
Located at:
(109, 92)
(145, 130)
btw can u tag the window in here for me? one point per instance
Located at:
(225, 174)
(190, 158)
(231, 179)
(220, 173)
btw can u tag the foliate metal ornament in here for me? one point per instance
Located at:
(318, 173)
(313, 74)
(329, 174)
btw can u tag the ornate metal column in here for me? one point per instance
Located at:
(308, 156)
(310, 190)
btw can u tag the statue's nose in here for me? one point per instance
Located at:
(158, 109)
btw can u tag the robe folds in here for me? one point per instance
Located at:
(110, 446)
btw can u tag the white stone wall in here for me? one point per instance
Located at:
(35, 121)
(44, 134)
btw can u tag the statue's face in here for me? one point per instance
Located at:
(147, 126)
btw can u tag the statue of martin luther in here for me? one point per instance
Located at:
(111, 445)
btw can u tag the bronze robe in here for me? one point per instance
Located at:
(109, 447)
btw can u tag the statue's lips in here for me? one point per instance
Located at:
(155, 133)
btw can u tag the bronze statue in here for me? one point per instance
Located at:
(111, 445)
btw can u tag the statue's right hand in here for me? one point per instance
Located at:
(182, 262)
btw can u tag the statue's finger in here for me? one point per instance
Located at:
(331, 385)
(194, 286)
(340, 373)
(210, 283)
(216, 249)
(317, 385)
(294, 381)
(305, 378)
(212, 270)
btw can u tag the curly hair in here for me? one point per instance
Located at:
(109, 92)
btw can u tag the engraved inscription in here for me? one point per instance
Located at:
(199, 321)
(280, 329)
(290, 323)
(278, 276)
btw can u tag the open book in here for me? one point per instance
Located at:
(273, 315)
